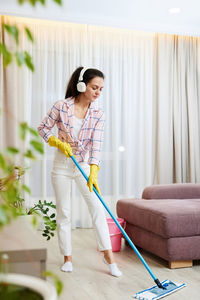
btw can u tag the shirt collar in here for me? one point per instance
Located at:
(70, 102)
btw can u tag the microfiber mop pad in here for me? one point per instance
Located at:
(156, 293)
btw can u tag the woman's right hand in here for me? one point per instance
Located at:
(92, 180)
(65, 148)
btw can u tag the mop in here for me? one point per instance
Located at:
(161, 289)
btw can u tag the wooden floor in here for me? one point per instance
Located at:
(90, 279)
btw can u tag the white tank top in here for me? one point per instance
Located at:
(77, 126)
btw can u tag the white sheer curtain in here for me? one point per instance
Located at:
(177, 109)
(151, 101)
(127, 59)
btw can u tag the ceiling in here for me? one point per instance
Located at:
(151, 15)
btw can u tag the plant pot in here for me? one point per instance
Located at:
(33, 219)
(27, 218)
(40, 224)
(28, 287)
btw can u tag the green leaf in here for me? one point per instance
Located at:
(3, 216)
(19, 58)
(52, 216)
(7, 56)
(59, 2)
(29, 34)
(38, 146)
(48, 238)
(13, 31)
(44, 234)
(22, 130)
(33, 132)
(26, 189)
(29, 154)
(42, 1)
(3, 164)
(12, 150)
(50, 204)
(28, 61)
(58, 283)
(32, 2)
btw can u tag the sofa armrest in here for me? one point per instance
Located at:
(172, 191)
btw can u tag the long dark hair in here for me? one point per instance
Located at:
(89, 74)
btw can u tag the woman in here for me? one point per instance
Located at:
(80, 132)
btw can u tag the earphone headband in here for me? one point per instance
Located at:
(82, 73)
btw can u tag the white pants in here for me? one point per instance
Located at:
(63, 172)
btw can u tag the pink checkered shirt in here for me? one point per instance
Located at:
(91, 134)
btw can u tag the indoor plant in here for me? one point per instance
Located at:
(11, 197)
(11, 189)
(42, 209)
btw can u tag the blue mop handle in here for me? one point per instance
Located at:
(117, 223)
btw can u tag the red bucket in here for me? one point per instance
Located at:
(115, 233)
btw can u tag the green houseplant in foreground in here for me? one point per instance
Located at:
(11, 188)
(11, 195)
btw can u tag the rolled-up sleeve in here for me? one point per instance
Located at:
(97, 141)
(49, 121)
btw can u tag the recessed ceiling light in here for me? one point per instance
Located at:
(174, 10)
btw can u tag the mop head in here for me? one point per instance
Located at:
(156, 293)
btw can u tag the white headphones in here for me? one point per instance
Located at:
(81, 86)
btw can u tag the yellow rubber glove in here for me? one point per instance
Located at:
(62, 146)
(93, 178)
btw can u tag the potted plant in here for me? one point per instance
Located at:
(12, 207)
(23, 287)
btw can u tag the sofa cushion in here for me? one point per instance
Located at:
(165, 217)
(172, 191)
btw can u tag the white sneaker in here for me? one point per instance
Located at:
(67, 267)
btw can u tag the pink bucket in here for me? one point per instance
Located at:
(115, 233)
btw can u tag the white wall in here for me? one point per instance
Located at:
(150, 15)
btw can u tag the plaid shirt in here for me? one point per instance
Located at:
(91, 133)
